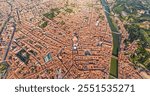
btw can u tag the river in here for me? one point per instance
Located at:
(116, 41)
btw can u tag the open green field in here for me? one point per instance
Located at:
(114, 67)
